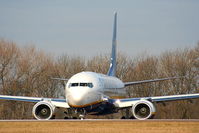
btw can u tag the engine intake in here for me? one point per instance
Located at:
(43, 110)
(143, 110)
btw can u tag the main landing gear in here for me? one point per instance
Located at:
(75, 114)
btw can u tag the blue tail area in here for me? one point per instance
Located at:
(113, 65)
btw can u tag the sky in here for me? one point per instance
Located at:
(84, 27)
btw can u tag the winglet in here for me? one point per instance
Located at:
(113, 65)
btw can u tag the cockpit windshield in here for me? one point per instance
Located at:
(83, 84)
(90, 85)
(74, 84)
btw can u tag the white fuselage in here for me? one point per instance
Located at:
(89, 88)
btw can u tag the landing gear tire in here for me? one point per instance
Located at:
(132, 117)
(74, 117)
(66, 118)
(123, 117)
(53, 117)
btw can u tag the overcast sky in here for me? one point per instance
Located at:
(84, 27)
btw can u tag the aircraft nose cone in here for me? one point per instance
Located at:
(76, 98)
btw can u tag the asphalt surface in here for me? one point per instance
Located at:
(120, 120)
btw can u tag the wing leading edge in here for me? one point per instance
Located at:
(128, 102)
(148, 81)
(56, 102)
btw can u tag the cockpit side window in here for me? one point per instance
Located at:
(90, 85)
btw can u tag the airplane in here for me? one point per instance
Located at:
(90, 92)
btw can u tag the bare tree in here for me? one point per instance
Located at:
(28, 71)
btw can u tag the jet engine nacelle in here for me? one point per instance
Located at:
(43, 110)
(143, 110)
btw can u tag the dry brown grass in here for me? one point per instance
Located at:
(100, 127)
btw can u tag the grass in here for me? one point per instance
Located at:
(100, 127)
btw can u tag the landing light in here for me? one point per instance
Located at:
(117, 101)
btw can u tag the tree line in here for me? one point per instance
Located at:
(27, 71)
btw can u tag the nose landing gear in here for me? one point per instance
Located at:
(81, 117)
(82, 114)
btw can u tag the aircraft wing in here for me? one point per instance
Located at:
(56, 102)
(148, 81)
(61, 79)
(128, 102)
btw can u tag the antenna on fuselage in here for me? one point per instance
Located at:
(113, 65)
